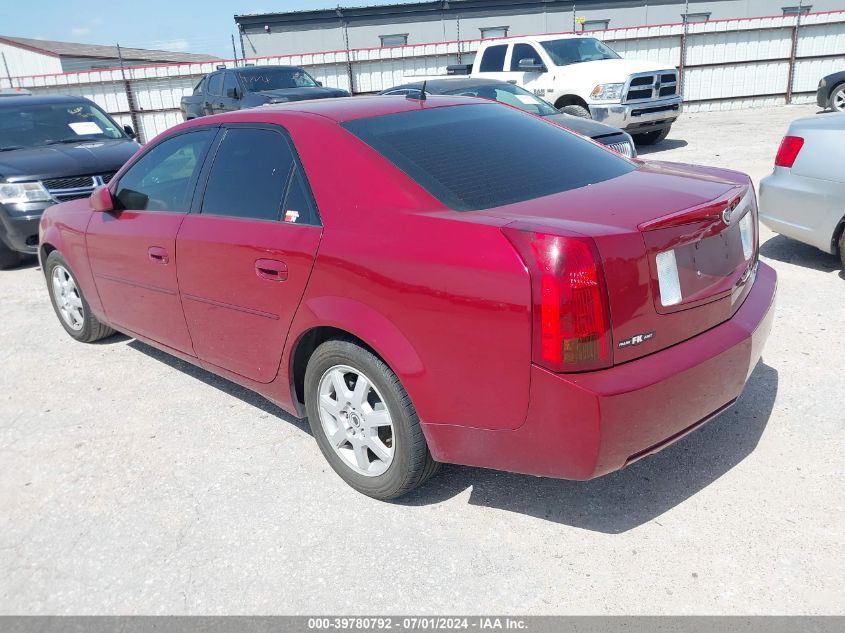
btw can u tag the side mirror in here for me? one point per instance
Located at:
(232, 93)
(130, 132)
(102, 200)
(319, 83)
(531, 65)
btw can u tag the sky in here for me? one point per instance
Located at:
(195, 26)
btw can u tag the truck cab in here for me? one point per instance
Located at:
(582, 76)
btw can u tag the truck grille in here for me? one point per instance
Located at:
(648, 86)
(75, 187)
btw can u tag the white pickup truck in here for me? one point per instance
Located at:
(580, 75)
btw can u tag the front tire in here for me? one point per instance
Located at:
(364, 421)
(69, 303)
(842, 249)
(576, 110)
(650, 138)
(837, 99)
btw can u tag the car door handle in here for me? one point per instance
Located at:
(158, 255)
(271, 269)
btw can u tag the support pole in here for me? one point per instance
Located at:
(130, 98)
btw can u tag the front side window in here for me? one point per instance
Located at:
(493, 60)
(249, 175)
(230, 85)
(160, 180)
(505, 155)
(574, 50)
(54, 124)
(524, 51)
(276, 79)
(215, 84)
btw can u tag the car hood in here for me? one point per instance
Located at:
(300, 94)
(606, 71)
(60, 161)
(586, 127)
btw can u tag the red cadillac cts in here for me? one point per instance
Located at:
(446, 280)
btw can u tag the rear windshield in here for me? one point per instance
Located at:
(481, 156)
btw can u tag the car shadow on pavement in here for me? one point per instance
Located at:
(789, 251)
(226, 386)
(662, 146)
(623, 500)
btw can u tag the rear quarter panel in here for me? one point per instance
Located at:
(440, 295)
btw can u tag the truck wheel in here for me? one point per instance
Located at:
(364, 421)
(8, 257)
(576, 110)
(650, 138)
(837, 99)
(69, 302)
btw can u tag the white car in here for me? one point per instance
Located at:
(804, 197)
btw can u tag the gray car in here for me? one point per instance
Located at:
(506, 92)
(804, 198)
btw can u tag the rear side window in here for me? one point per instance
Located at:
(249, 176)
(198, 89)
(493, 60)
(481, 156)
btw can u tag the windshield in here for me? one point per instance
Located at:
(52, 123)
(510, 94)
(577, 49)
(275, 79)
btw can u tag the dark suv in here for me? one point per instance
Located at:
(52, 149)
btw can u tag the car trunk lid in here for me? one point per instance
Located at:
(658, 220)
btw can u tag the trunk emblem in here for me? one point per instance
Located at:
(637, 339)
(726, 215)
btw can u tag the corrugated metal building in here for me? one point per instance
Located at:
(452, 20)
(23, 56)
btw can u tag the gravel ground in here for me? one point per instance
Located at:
(131, 482)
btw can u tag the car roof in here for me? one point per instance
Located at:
(247, 70)
(345, 108)
(10, 101)
(538, 38)
(439, 86)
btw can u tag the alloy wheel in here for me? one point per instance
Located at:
(355, 419)
(838, 100)
(68, 299)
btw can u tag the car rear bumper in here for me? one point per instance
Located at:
(20, 232)
(805, 209)
(637, 118)
(581, 426)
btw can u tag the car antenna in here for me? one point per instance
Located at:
(419, 97)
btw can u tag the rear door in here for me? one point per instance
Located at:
(492, 64)
(132, 249)
(246, 253)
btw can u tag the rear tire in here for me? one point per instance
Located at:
(650, 138)
(576, 110)
(8, 257)
(842, 249)
(392, 460)
(837, 99)
(69, 303)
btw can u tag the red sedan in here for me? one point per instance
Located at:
(445, 280)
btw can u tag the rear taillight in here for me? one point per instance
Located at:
(788, 151)
(571, 314)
